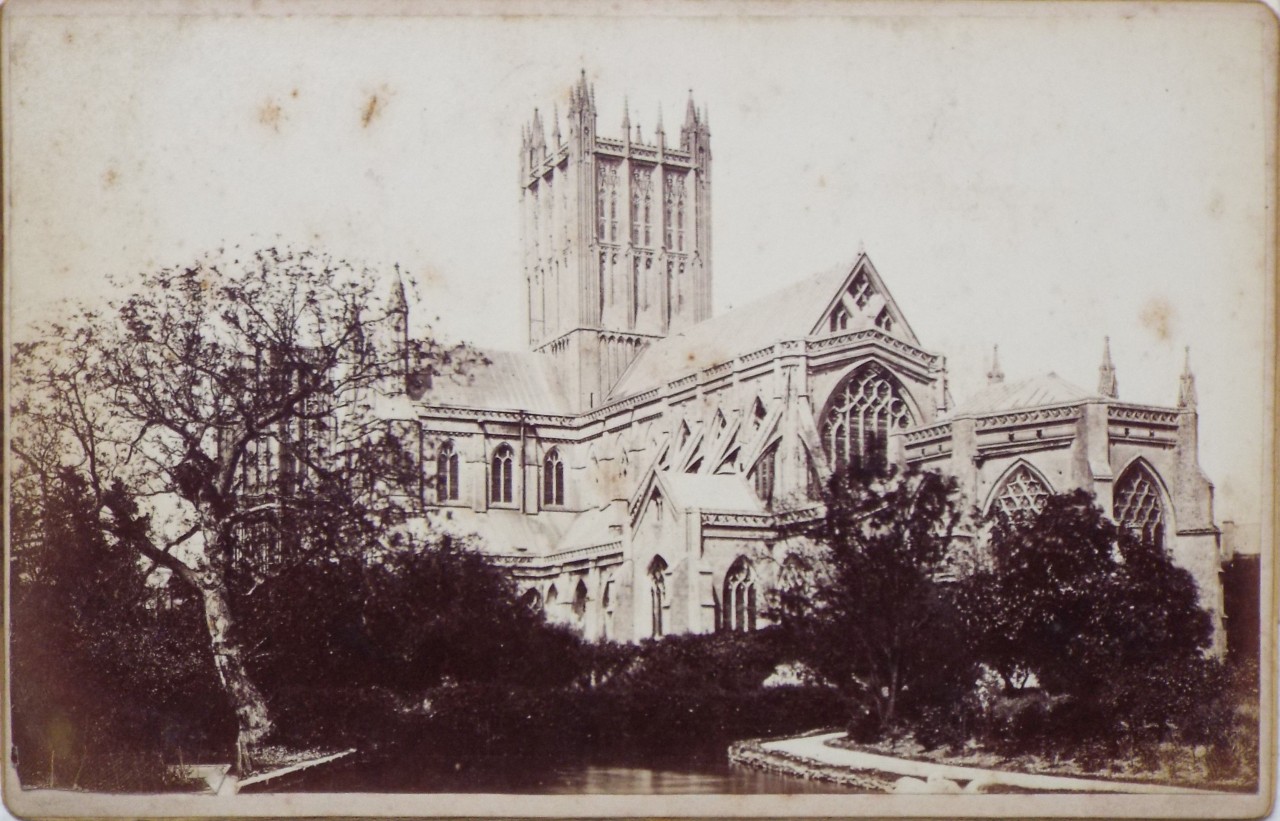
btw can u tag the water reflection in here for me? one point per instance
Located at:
(417, 773)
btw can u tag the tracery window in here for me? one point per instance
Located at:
(1022, 493)
(1138, 506)
(641, 203)
(657, 595)
(864, 410)
(884, 320)
(552, 478)
(501, 484)
(607, 202)
(447, 473)
(839, 319)
(740, 596)
(860, 289)
(673, 211)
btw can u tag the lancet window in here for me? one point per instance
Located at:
(762, 475)
(1138, 506)
(1022, 493)
(865, 409)
(740, 596)
(580, 602)
(501, 484)
(657, 595)
(447, 473)
(607, 202)
(641, 206)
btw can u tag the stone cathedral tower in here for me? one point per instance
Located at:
(617, 240)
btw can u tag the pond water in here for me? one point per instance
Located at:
(406, 770)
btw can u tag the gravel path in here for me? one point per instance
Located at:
(815, 748)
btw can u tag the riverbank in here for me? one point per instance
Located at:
(813, 757)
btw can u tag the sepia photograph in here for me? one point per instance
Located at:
(688, 408)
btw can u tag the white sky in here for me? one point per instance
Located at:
(1028, 174)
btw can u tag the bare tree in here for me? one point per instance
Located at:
(225, 416)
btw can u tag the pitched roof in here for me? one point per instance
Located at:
(1033, 392)
(512, 380)
(788, 314)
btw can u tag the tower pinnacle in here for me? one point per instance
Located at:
(995, 375)
(1187, 389)
(1107, 385)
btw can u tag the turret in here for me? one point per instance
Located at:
(1107, 385)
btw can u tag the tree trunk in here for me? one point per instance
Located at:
(253, 718)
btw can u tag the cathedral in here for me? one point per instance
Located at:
(645, 468)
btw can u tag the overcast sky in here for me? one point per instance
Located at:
(1032, 175)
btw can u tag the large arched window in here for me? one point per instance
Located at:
(864, 410)
(500, 477)
(552, 478)
(1022, 493)
(740, 596)
(657, 595)
(1138, 506)
(447, 473)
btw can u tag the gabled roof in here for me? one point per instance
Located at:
(512, 380)
(794, 312)
(1033, 392)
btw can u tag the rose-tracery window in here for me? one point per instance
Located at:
(861, 415)
(1023, 493)
(1138, 506)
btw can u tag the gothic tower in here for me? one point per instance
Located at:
(617, 240)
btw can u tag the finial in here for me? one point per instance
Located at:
(1107, 385)
(555, 122)
(398, 301)
(659, 130)
(995, 375)
(626, 118)
(1187, 390)
(639, 134)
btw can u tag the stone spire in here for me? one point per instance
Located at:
(995, 376)
(555, 123)
(660, 134)
(626, 119)
(1107, 385)
(1187, 390)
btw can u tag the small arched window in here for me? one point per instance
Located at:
(447, 473)
(607, 604)
(657, 595)
(553, 597)
(532, 600)
(580, 602)
(762, 475)
(1138, 506)
(501, 485)
(740, 596)
(552, 479)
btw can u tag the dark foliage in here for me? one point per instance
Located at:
(1107, 624)
(406, 621)
(873, 613)
(109, 676)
